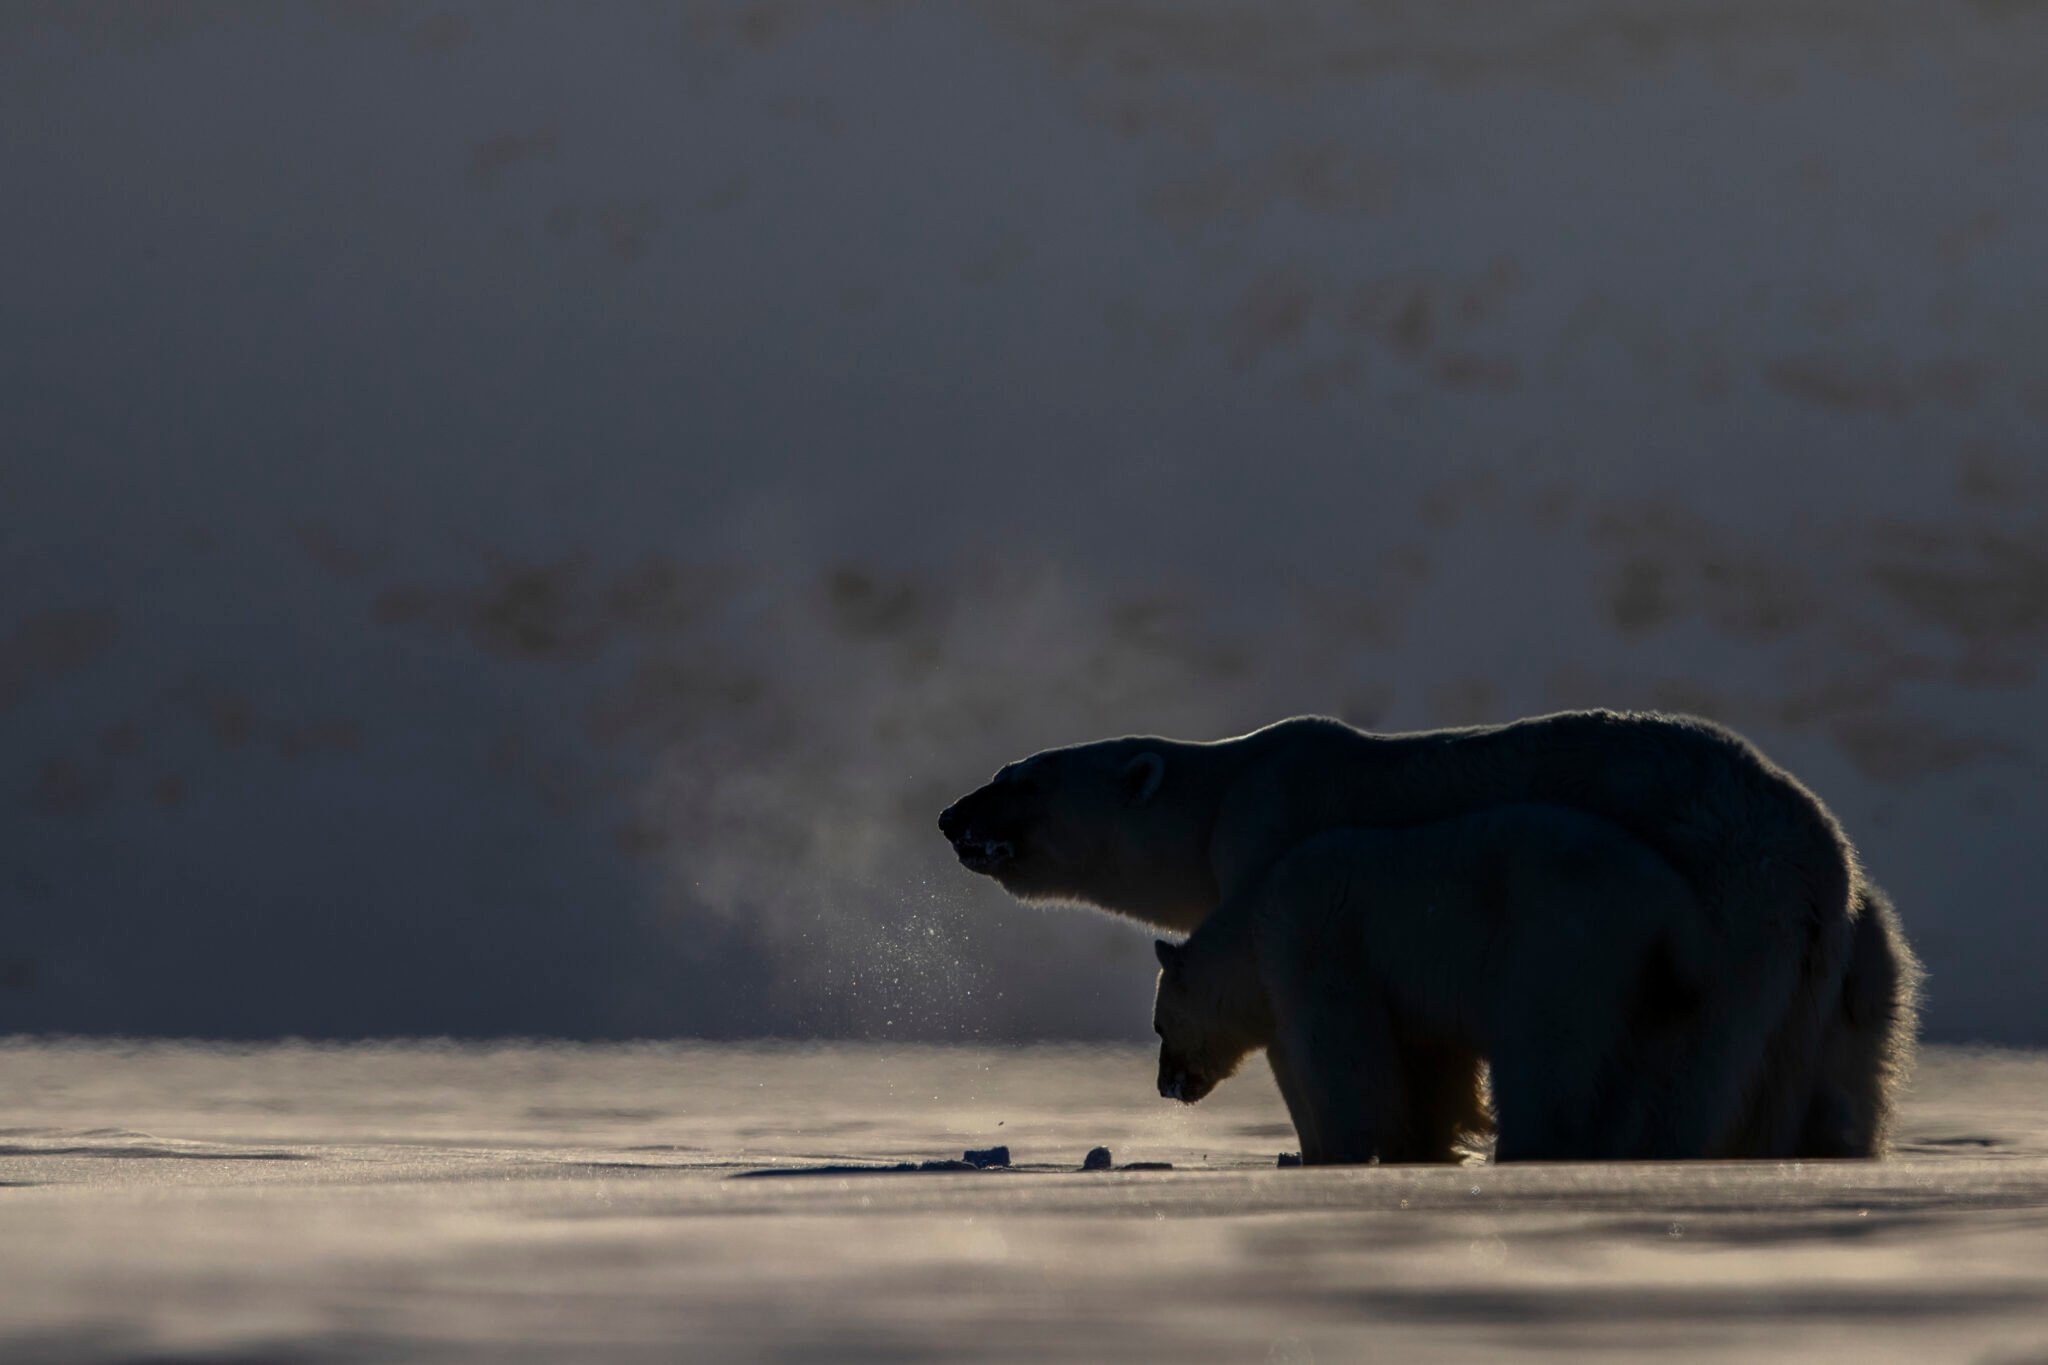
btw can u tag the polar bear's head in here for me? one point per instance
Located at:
(1118, 824)
(1202, 1038)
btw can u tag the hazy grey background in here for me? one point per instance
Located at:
(514, 518)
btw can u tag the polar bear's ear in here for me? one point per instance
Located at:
(1166, 952)
(1141, 778)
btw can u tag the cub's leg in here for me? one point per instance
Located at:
(1552, 1059)
(1353, 1106)
(1361, 1082)
(1437, 1098)
(1295, 1089)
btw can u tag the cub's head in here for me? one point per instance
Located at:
(1201, 1044)
(1092, 823)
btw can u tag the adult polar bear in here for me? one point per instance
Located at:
(1797, 992)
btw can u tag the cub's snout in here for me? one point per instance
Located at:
(1176, 1082)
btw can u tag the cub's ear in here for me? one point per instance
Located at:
(1167, 953)
(1141, 778)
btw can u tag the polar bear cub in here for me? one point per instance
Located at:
(1379, 967)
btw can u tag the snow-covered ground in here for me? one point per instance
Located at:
(287, 1205)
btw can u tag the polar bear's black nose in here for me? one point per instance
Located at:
(949, 822)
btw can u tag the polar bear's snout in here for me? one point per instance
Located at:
(977, 850)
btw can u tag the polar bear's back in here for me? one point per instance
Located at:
(1739, 828)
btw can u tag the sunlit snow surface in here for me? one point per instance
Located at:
(170, 1203)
